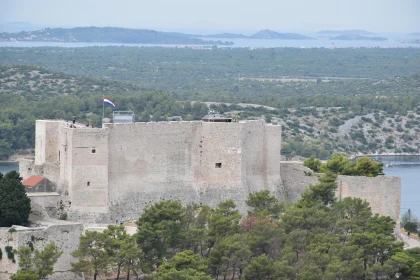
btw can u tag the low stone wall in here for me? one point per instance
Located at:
(296, 178)
(383, 192)
(65, 235)
(49, 201)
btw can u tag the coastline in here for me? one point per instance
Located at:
(18, 157)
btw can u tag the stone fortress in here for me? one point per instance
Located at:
(103, 175)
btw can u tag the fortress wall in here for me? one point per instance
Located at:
(27, 168)
(383, 193)
(65, 236)
(50, 201)
(149, 162)
(89, 169)
(294, 179)
(272, 162)
(47, 141)
(222, 143)
(262, 156)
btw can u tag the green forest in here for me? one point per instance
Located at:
(312, 92)
(317, 237)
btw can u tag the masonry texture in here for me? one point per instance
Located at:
(111, 173)
(64, 235)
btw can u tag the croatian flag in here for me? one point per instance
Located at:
(109, 102)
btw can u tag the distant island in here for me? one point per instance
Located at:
(411, 41)
(107, 35)
(269, 34)
(262, 34)
(343, 32)
(358, 37)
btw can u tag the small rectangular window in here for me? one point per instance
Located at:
(218, 165)
(88, 183)
(93, 151)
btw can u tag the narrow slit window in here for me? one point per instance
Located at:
(218, 165)
(88, 183)
(93, 151)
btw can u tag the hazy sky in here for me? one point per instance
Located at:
(279, 15)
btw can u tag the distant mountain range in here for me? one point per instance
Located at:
(107, 35)
(343, 32)
(358, 37)
(263, 34)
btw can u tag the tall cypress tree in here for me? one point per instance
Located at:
(14, 203)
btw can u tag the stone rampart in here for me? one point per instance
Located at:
(64, 235)
(295, 178)
(201, 162)
(383, 192)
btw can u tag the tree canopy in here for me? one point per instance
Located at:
(317, 237)
(14, 203)
(341, 165)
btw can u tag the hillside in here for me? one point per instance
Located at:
(318, 124)
(106, 35)
(320, 131)
(33, 81)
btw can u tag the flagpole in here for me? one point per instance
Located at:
(103, 108)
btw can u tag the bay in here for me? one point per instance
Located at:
(6, 166)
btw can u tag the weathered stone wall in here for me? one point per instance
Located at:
(89, 169)
(47, 141)
(65, 236)
(50, 201)
(189, 161)
(383, 193)
(296, 178)
(261, 160)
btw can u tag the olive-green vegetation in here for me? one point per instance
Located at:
(353, 130)
(341, 165)
(14, 203)
(318, 237)
(409, 222)
(111, 250)
(35, 264)
(352, 101)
